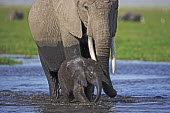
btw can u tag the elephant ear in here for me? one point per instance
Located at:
(81, 78)
(67, 14)
(76, 70)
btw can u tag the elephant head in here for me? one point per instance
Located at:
(87, 71)
(94, 75)
(96, 19)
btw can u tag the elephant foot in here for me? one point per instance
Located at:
(66, 101)
(89, 91)
(54, 91)
(54, 95)
(85, 101)
(54, 87)
(81, 98)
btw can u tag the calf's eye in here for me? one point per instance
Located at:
(91, 74)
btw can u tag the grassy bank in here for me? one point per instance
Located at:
(7, 61)
(15, 36)
(148, 40)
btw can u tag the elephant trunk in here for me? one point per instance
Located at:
(98, 85)
(103, 53)
(102, 39)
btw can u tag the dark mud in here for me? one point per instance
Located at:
(141, 86)
(20, 102)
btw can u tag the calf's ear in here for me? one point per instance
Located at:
(78, 76)
(81, 79)
(70, 69)
(76, 69)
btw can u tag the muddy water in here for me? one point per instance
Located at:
(141, 86)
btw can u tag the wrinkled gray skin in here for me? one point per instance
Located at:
(78, 76)
(61, 29)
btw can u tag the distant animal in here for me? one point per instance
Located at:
(14, 15)
(131, 16)
(63, 29)
(78, 76)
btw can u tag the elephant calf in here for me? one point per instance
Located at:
(77, 78)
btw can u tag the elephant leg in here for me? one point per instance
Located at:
(79, 93)
(58, 91)
(66, 98)
(71, 46)
(89, 90)
(67, 93)
(52, 80)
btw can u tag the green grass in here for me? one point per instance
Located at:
(148, 41)
(15, 36)
(7, 61)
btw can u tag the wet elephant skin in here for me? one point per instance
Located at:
(77, 78)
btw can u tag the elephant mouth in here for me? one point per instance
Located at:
(84, 44)
(87, 43)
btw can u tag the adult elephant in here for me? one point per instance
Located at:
(61, 28)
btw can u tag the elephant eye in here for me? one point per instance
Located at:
(85, 6)
(91, 74)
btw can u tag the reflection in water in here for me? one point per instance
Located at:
(24, 88)
(137, 78)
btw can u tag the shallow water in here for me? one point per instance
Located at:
(141, 86)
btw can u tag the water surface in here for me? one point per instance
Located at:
(141, 86)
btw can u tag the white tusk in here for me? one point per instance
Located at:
(91, 48)
(113, 55)
(113, 65)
